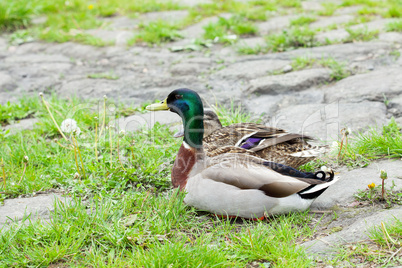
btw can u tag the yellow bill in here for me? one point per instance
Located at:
(158, 106)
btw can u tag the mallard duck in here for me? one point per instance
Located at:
(232, 184)
(272, 144)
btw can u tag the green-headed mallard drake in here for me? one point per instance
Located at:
(233, 184)
(272, 144)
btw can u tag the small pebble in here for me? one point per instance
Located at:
(287, 68)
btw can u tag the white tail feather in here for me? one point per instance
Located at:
(321, 186)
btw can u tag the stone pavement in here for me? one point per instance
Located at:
(305, 101)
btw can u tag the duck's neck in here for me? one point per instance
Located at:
(187, 159)
(193, 123)
(191, 150)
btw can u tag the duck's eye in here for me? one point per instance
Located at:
(178, 97)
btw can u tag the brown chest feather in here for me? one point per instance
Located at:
(182, 166)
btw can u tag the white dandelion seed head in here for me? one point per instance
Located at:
(41, 94)
(77, 131)
(26, 158)
(70, 126)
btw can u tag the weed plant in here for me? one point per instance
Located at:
(375, 144)
(394, 26)
(228, 30)
(294, 37)
(338, 69)
(360, 34)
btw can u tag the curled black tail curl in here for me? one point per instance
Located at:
(322, 176)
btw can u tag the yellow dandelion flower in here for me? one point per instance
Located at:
(90, 7)
(371, 186)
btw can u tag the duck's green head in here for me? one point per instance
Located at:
(188, 105)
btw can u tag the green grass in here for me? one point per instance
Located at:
(394, 230)
(249, 50)
(289, 3)
(20, 37)
(394, 26)
(147, 230)
(108, 76)
(228, 30)
(395, 10)
(374, 145)
(360, 34)
(302, 20)
(389, 8)
(303, 62)
(52, 165)
(68, 20)
(378, 251)
(294, 37)
(233, 114)
(329, 9)
(15, 14)
(369, 3)
(369, 11)
(11, 111)
(130, 217)
(338, 69)
(156, 32)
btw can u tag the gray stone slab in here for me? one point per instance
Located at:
(274, 24)
(75, 51)
(358, 179)
(24, 124)
(294, 81)
(186, 69)
(372, 86)
(347, 10)
(324, 22)
(3, 44)
(119, 37)
(269, 104)
(121, 23)
(191, 3)
(36, 207)
(375, 25)
(396, 104)
(147, 121)
(344, 52)
(7, 83)
(357, 231)
(391, 37)
(324, 121)
(171, 16)
(37, 58)
(250, 69)
(332, 36)
(251, 42)
(92, 88)
(311, 6)
(197, 30)
(399, 121)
